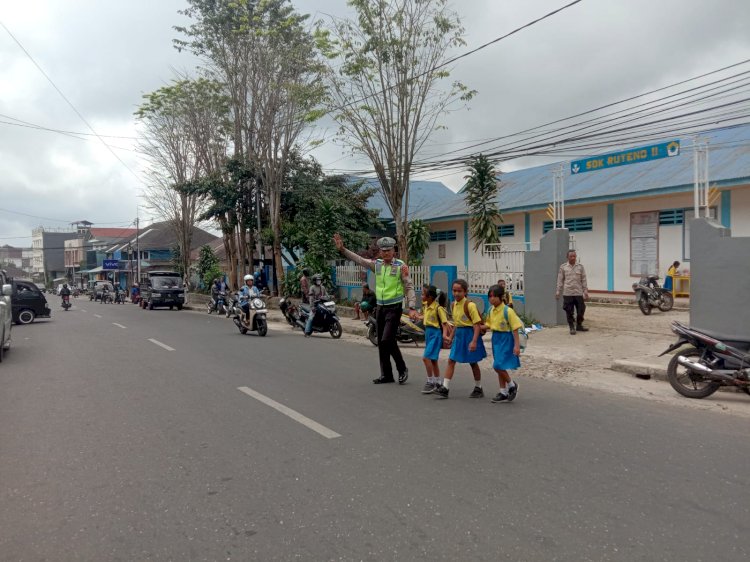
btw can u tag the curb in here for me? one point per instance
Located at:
(640, 368)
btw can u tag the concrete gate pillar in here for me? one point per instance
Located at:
(540, 278)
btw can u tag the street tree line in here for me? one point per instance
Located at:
(228, 143)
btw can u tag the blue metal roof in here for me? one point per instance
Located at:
(729, 164)
(422, 195)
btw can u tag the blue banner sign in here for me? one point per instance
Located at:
(111, 264)
(632, 156)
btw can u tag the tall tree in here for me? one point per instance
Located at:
(418, 240)
(266, 57)
(184, 137)
(480, 193)
(383, 79)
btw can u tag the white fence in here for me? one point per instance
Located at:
(354, 275)
(481, 281)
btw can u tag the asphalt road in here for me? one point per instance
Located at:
(113, 447)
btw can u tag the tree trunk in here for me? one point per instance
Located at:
(278, 263)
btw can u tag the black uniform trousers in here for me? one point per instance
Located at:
(388, 319)
(570, 303)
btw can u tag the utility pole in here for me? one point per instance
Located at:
(138, 245)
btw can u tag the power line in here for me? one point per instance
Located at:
(63, 96)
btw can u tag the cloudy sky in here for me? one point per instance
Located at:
(104, 55)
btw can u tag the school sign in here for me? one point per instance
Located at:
(633, 156)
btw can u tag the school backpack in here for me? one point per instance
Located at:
(523, 337)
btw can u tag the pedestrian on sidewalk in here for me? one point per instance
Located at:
(671, 273)
(367, 305)
(392, 284)
(506, 347)
(467, 345)
(571, 282)
(435, 321)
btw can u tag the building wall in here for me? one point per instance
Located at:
(740, 211)
(592, 246)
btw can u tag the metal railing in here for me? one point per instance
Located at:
(481, 281)
(354, 275)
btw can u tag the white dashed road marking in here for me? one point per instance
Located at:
(98, 315)
(84, 310)
(296, 416)
(157, 342)
(119, 325)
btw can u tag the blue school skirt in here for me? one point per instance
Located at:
(502, 351)
(433, 342)
(460, 349)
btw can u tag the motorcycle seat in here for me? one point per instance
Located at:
(740, 342)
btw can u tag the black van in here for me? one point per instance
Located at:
(28, 302)
(164, 288)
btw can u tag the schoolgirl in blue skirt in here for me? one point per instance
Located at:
(506, 347)
(435, 326)
(467, 345)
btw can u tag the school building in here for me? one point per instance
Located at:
(624, 220)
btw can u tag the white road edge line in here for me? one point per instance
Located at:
(296, 416)
(120, 325)
(98, 315)
(157, 342)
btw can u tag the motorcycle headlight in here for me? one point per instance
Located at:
(257, 303)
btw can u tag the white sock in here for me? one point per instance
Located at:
(431, 380)
(446, 383)
(478, 384)
(504, 390)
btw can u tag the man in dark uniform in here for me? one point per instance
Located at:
(392, 284)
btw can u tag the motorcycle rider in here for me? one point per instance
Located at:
(247, 292)
(215, 290)
(316, 294)
(64, 292)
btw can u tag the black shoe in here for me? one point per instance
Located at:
(500, 398)
(572, 330)
(581, 328)
(441, 392)
(383, 380)
(512, 392)
(429, 388)
(477, 393)
(402, 377)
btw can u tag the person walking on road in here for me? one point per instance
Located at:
(571, 282)
(392, 284)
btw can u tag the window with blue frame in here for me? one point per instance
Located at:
(671, 217)
(442, 235)
(580, 224)
(506, 230)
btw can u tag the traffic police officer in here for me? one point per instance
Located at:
(392, 283)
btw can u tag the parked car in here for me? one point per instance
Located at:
(28, 302)
(163, 288)
(6, 313)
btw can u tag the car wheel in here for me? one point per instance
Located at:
(179, 307)
(26, 316)
(150, 305)
(171, 307)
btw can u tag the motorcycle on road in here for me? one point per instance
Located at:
(649, 295)
(255, 321)
(218, 303)
(66, 302)
(289, 310)
(713, 360)
(325, 319)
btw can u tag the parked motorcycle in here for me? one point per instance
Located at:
(325, 318)
(119, 296)
(217, 303)
(648, 295)
(289, 310)
(408, 331)
(713, 361)
(255, 321)
(66, 302)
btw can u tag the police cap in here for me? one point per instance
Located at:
(386, 243)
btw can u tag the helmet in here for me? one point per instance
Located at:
(317, 277)
(386, 243)
(248, 277)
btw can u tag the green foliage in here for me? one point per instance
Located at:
(527, 318)
(480, 193)
(292, 279)
(208, 265)
(315, 206)
(418, 240)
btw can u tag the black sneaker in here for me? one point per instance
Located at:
(477, 393)
(512, 392)
(429, 388)
(383, 380)
(403, 376)
(582, 328)
(572, 330)
(442, 392)
(499, 398)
